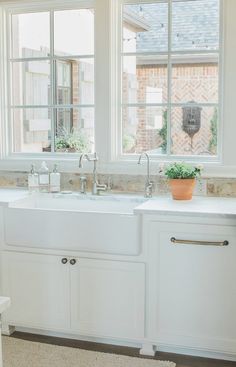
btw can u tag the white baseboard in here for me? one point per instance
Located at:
(196, 352)
(131, 344)
(7, 330)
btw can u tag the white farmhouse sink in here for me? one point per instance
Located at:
(75, 222)
(81, 203)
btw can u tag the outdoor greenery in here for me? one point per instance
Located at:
(213, 142)
(163, 132)
(128, 143)
(182, 171)
(74, 141)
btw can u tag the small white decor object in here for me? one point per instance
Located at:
(33, 180)
(44, 178)
(55, 180)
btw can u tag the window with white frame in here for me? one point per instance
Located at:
(170, 78)
(170, 103)
(51, 74)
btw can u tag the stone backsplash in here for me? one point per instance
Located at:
(222, 187)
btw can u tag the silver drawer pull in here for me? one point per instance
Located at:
(199, 243)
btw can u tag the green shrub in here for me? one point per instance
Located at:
(128, 142)
(213, 142)
(74, 140)
(163, 132)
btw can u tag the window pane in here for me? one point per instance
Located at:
(74, 32)
(31, 130)
(144, 79)
(30, 35)
(144, 130)
(195, 81)
(75, 81)
(145, 27)
(31, 83)
(194, 130)
(195, 25)
(75, 130)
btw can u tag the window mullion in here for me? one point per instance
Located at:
(174, 53)
(169, 68)
(220, 130)
(53, 82)
(8, 47)
(102, 79)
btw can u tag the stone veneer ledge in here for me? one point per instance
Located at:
(221, 187)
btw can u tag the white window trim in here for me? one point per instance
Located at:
(107, 125)
(168, 157)
(15, 8)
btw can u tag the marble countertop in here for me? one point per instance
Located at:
(204, 206)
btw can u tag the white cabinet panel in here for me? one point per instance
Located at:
(192, 296)
(38, 286)
(108, 298)
(92, 297)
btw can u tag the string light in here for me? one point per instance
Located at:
(129, 39)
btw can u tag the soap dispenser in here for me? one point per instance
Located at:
(55, 180)
(44, 178)
(33, 180)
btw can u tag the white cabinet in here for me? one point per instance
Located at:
(107, 298)
(92, 297)
(192, 288)
(38, 286)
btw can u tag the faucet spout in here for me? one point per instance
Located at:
(96, 187)
(81, 159)
(144, 154)
(148, 184)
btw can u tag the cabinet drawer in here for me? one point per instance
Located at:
(180, 234)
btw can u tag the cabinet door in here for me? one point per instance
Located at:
(39, 289)
(192, 290)
(108, 298)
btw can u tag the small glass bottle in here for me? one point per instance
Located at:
(55, 180)
(44, 178)
(33, 180)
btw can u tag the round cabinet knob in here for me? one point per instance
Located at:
(72, 261)
(64, 260)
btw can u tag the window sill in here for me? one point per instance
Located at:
(121, 166)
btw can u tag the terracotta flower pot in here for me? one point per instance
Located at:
(182, 189)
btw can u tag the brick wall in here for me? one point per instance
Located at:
(190, 82)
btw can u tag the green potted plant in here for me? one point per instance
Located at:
(182, 179)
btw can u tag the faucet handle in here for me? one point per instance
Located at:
(109, 184)
(149, 189)
(83, 184)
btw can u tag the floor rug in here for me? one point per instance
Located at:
(21, 353)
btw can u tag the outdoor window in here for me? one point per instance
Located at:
(170, 78)
(158, 73)
(51, 72)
